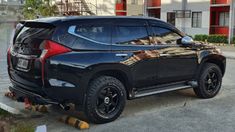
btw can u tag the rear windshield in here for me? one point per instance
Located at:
(31, 34)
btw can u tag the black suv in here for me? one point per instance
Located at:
(97, 63)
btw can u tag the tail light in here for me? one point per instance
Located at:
(50, 49)
(9, 56)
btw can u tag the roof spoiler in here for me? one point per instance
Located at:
(37, 24)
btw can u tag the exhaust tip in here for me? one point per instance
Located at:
(65, 107)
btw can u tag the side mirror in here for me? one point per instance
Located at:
(186, 40)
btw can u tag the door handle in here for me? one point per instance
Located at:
(121, 55)
(164, 54)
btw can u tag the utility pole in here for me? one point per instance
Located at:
(184, 7)
(66, 4)
(61, 3)
(96, 6)
(145, 12)
(231, 21)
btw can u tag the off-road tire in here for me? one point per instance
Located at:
(202, 91)
(93, 98)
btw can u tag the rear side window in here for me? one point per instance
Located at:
(96, 33)
(62, 36)
(83, 34)
(165, 36)
(136, 35)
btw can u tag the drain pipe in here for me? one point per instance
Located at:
(184, 6)
(231, 21)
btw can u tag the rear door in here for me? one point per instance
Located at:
(132, 38)
(24, 62)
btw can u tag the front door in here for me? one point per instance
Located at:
(176, 62)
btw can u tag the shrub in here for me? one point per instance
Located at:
(233, 41)
(217, 39)
(201, 37)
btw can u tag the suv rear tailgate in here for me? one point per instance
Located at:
(24, 55)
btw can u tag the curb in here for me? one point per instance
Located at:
(230, 57)
(9, 109)
(229, 54)
(222, 44)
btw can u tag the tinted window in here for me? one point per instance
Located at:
(165, 36)
(26, 34)
(62, 36)
(136, 35)
(97, 33)
(29, 39)
(82, 34)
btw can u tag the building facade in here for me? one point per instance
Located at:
(190, 16)
(11, 7)
(85, 7)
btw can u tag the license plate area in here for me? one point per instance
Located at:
(22, 64)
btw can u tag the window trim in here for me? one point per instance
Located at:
(197, 19)
(224, 19)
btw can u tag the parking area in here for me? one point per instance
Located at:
(173, 111)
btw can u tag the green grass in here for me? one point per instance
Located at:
(18, 127)
(23, 127)
(4, 113)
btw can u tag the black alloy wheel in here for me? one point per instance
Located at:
(106, 99)
(209, 81)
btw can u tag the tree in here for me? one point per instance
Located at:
(34, 8)
(48, 9)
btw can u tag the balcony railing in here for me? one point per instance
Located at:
(121, 6)
(153, 3)
(223, 30)
(213, 2)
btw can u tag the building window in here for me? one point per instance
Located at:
(196, 19)
(224, 19)
(154, 13)
(171, 18)
(134, 2)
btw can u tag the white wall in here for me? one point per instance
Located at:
(104, 7)
(135, 9)
(184, 24)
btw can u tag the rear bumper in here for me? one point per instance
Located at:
(21, 93)
(49, 95)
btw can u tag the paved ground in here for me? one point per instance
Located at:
(174, 111)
